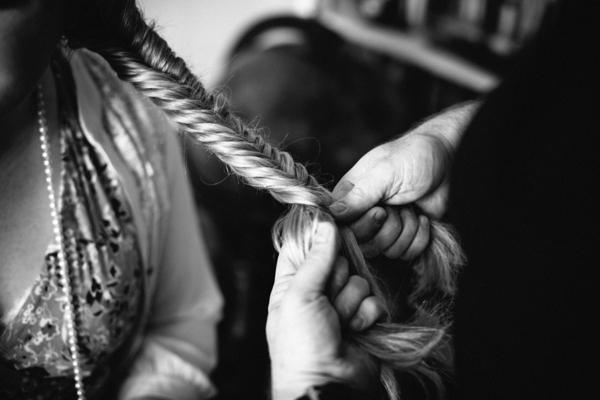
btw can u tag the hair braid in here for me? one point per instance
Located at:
(207, 118)
(140, 56)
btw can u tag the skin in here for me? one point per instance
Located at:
(383, 194)
(29, 34)
(388, 176)
(308, 308)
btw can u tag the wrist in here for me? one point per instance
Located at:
(449, 125)
(439, 149)
(434, 131)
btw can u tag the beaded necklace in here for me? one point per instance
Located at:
(63, 269)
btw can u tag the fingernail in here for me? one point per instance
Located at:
(357, 324)
(338, 207)
(424, 221)
(380, 217)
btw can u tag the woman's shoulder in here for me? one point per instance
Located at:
(138, 137)
(118, 103)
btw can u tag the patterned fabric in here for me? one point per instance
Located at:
(105, 261)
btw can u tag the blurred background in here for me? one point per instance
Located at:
(202, 31)
(326, 80)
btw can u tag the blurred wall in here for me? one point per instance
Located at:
(201, 31)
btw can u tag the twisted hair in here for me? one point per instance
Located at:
(117, 31)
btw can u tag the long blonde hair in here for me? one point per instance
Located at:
(117, 31)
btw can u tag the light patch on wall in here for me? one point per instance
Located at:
(201, 31)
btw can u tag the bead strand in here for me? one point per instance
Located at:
(69, 312)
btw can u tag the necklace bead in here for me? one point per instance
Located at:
(69, 313)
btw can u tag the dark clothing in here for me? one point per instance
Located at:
(335, 391)
(525, 200)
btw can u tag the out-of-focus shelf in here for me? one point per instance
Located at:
(412, 49)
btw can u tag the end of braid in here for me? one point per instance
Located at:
(421, 348)
(437, 268)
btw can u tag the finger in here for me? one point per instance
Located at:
(421, 240)
(435, 206)
(348, 301)
(312, 276)
(341, 189)
(370, 311)
(284, 272)
(339, 278)
(410, 225)
(367, 226)
(363, 195)
(387, 235)
(285, 267)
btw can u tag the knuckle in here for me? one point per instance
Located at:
(399, 247)
(409, 218)
(372, 308)
(360, 284)
(360, 193)
(393, 252)
(415, 249)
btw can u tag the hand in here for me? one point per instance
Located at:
(412, 169)
(304, 325)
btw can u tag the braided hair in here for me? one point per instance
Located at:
(117, 31)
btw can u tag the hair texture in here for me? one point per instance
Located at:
(117, 31)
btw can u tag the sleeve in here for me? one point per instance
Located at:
(179, 348)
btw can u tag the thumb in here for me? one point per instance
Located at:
(314, 273)
(353, 200)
